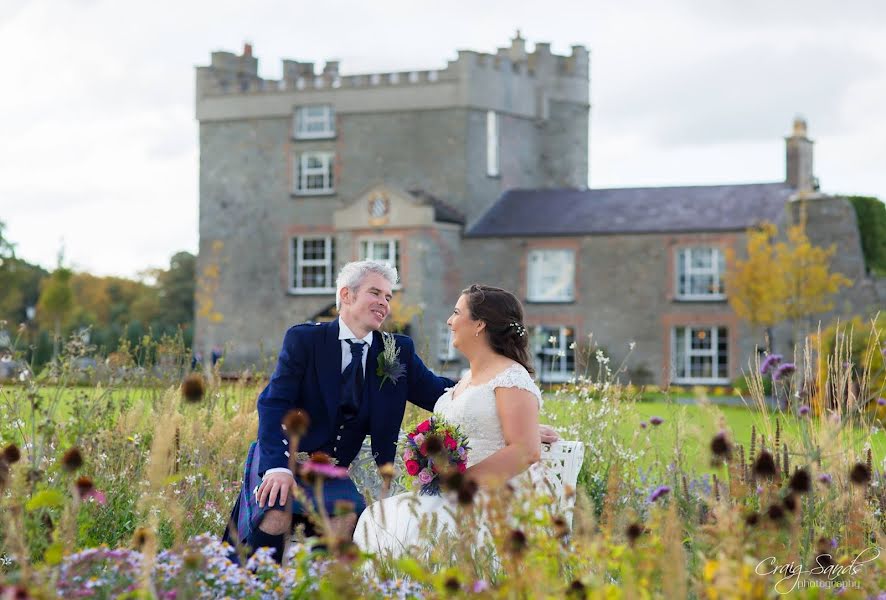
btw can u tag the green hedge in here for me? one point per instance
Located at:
(871, 215)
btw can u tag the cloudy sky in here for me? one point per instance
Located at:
(98, 142)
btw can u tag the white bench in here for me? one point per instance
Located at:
(563, 460)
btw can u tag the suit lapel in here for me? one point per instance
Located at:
(329, 369)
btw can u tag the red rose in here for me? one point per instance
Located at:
(412, 467)
(423, 449)
(424, 426)
(462, 467)
(449, 442)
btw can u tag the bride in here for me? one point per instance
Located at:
(496, 404)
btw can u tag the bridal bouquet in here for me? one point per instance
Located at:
(434, 448)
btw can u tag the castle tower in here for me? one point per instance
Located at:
(798, 159)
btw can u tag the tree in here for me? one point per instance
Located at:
(56, 301)
(871, 216)
(755, 285)
(779, 280)
(176, 288)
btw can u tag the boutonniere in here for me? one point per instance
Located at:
(388, 362)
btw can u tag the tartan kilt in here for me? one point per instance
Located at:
(246, 514)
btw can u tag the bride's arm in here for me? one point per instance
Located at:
(518, 414)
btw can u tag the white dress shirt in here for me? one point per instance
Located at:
(344, 333)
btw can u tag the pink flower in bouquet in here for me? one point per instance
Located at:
(408, 454)
(419, 439)
(462, 453)
(425, 476)
(412, 467)
(450, 442)
(462, 466)
(424, 426)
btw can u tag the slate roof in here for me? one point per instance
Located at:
(443, 212)
(559, 212)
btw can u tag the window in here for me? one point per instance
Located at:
(554, 353)
(701, 355)
(313, 122)
(492, 143)
(313, 262)
(445, 350)
(700, 273)
(382, 250)
(314, 173)
(551, 276)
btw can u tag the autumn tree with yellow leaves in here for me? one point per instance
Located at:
(787, 279)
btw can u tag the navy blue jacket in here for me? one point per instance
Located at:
(308, 376)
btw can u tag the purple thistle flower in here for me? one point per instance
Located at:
(642, 424)
(881, 401)
(825, 479)
(479, 586)
(787, 369)
(769, 362)
(656, 421)
(659, 492)
(804, 410)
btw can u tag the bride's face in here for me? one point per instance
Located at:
(463, 327)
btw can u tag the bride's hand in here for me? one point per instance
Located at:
(548, 434)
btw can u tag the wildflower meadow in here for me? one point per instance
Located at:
(118, 482)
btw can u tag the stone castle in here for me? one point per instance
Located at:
(474, 172)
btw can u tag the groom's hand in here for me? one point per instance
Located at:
(275, 488)
(548, 434)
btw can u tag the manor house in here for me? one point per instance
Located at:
(476, 172)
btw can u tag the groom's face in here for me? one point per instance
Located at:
(367, 307)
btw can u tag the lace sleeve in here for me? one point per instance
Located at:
(517, 376)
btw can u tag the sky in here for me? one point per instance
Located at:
(98, 141)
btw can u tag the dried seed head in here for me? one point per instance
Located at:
(141, 538)
(764, 466)
(434, 444)
(452, 584)
(193, 560)
(577, 590)
(561, 526)
(752, 519)
(84, 486)
(453, 481)
(800, 482)
(516, 542)
(4, 475)
(386, 471)
(321, 458)
(634, 531)
(790, 503)
(721, 447)
(568, 492)
(296, 422)
(775, 512)
(347, 551)
(860, 474)
(12, 454)
(193, 388)
(72, 460)
(466, 492)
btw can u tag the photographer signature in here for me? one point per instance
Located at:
(824, 567)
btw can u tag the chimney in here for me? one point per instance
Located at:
(798, 159)
(517, 51)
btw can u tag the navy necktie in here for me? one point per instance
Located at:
(352, 382)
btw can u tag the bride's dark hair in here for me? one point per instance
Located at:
(503, 315)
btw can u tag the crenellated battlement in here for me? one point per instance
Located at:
(232, 74)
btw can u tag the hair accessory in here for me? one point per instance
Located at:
(521, 331)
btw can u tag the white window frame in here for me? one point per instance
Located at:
(314, 121)
(325, 170)
(560, 352)
(492, 144)
(393, 245)
(297, 262)
(538, 279)
(685, 271)
(446, 352)
(690, 331)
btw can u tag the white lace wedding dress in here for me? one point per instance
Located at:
(392, 525)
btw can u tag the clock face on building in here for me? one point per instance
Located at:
(379, 207)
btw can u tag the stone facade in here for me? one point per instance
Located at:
(413, 173)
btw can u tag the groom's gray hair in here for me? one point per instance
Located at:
(353, 274)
